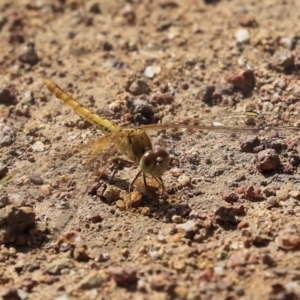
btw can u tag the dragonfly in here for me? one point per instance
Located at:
(133, 142)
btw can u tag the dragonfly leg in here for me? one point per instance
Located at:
(131, 185)
(117, 163)
(160, 181)
(144, 179)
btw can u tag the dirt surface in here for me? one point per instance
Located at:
(227, 226)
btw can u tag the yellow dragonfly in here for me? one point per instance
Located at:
(134, 143)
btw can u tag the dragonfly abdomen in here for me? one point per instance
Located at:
(101, 123)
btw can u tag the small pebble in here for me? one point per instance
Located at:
(288, 238)
(46, 189)
(121, 204)
(286, 43)
(177, 219)
(184, 180)
(161, 238)
(38, 146)
(124, 276)
(125, 252)
(243, 79)
(267, 160)
(242, 35)
(35, 179)
(111, 193)
(151, 71)
(7, 133)
(3, 170)
(188, 226)
(4, 200)
(176, 172)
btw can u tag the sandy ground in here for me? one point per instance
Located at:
(227, 226)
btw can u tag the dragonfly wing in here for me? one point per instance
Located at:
(218, 122)
(247, 121)
(99, 145)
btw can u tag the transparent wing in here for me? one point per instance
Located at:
(89, 150)
(99, 145)
(247, 121)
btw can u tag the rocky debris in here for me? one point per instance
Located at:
(168, 4)
(243, 79)
(252, 193)
(267, 160)
(226, 214)
(124, 276)
(137, 86)
(177, 219)
(4, 200)
(206, 94)
(29, 56)
(111, 194)
(188, 229)
(230, 197)
(184, 180)
(205, 275)
(93, 281)
(35, 179)
(161, 282)
(272, 202)
(280, 291)
(242, 35)
(151, 71)
(284, 192)
(15, 221)
(295, 194)
(248, 21)
(80, 253)
(294, 159)
(129, 14)
(256, 232)
(7, 97)
(268, 260)
(163, 99)
(7, 133)
(241, 258)
(95, 9)
(38, 146)
(11, 293)
(96, 218)
(3, 170)
(283, 60)
(249, 143)
(57, 266)
(46, 189)
(243, 224)
(288, 238)
(144, 111)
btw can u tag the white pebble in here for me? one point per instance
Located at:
(242, 35)
(184, 180)
(286, 42)
(186, 227)
(38, 146)
(175, 172)
(151, 71)
(177, 219)
(28, 95)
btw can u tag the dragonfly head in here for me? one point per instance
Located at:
(155, 163)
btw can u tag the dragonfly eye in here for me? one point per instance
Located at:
(155, 163)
